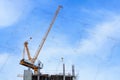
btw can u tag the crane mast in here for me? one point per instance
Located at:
(31, 62)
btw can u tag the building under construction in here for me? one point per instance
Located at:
(30, 62)
(28, 75)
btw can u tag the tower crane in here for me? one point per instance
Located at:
(30, 63)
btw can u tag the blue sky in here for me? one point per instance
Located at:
(85, 33)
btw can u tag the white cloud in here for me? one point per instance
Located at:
(3, 58)
(100, 37)
(9, 65)
(13, 10)
(94, 73)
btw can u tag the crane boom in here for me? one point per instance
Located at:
(45, 36)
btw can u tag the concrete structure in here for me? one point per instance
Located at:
(52, 77)
(28, 75)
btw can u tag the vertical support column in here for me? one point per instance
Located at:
(63, 71)
(73, 72)
(38, 76)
